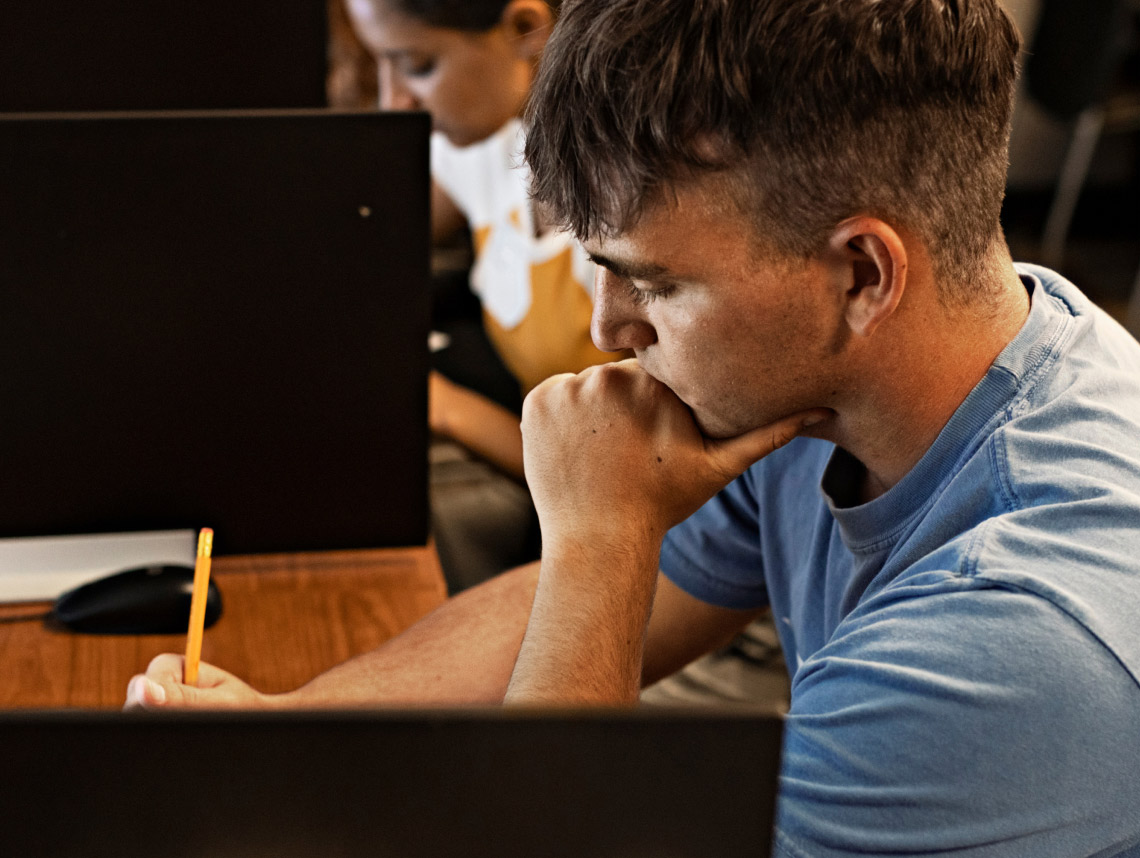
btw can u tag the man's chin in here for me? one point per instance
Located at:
(719, 428)
(714, 427)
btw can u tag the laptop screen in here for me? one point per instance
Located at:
(155, 55)
(216, 319)
(494, 783)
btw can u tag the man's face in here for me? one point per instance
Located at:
(742, 339)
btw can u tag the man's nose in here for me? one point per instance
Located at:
(618, 323)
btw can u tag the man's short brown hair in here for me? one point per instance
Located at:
(814, 110)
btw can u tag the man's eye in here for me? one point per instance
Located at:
(644, 296)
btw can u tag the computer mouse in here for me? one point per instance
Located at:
(146, 600)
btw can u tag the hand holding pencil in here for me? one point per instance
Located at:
(172, 680)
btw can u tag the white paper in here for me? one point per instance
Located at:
(40, 568)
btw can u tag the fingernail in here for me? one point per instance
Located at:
(157, 692)
(812, 420)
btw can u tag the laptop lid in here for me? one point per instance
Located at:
(162, 55)
(647, 783)
(216, 319)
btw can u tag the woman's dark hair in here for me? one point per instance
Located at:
(474, 15)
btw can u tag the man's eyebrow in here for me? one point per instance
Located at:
(630, 270)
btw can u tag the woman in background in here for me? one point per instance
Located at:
(470, 64)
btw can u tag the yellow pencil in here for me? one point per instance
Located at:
(198, 606)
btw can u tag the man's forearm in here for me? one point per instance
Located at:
(462, 653)
(613, 460)
(586, 639)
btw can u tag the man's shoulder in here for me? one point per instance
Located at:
(941, 698)
(1066, 465)
(1088, 343)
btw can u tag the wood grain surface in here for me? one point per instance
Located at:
(285, 618)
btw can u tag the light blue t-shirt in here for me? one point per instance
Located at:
(965, 649)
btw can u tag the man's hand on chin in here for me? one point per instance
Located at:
(613, 455)
(613, 459)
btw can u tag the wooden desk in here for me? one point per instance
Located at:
(285, 618)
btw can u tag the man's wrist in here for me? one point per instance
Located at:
(585, 640)
(604, 546)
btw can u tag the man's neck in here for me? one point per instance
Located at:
(933, 363)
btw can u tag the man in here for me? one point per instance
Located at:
(794, 204)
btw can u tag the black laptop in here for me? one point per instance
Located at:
(215, 319)
(163, 54)
(443, 783)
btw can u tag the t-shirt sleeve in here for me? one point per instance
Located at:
(714, 555)
(952, 717)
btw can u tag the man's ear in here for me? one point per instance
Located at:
(527, 24)
(871, 261)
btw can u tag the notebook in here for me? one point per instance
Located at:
(215, 319)
(642, 783)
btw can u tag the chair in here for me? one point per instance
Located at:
(1074, 58)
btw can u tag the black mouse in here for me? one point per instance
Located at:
(147, 600)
